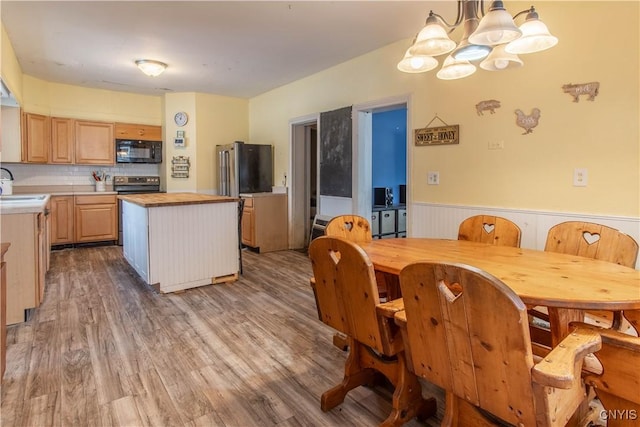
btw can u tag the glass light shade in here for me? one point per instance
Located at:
(433, 39)
(499, 60)
(496, 27)
(471, 52)
(412, 63)
(455, 69)
(468, 51)
(535, 38)
(150, 67)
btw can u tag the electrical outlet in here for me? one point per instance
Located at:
(433, 178)
(496, 145)
(580, 177)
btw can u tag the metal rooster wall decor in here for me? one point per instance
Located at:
(528, 122)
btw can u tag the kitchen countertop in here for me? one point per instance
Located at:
(151, 200)
(61, 190)
(16, 204)
(265, 194)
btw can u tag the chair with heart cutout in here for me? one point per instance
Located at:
(356, 229)
(346, 295)
(465, 331)
(599, 242)
(490, 229)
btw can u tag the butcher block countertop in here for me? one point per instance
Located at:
(151, 200)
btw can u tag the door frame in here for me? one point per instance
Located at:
(299, 147)
(363, 151)
(362, 140)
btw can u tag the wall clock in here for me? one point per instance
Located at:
(181, 118)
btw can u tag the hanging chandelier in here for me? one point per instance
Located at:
(495, 40)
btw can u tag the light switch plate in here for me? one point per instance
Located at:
(433, 178)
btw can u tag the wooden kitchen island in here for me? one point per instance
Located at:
(177, 241)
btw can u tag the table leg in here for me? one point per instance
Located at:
(388, 285)
(559, 318)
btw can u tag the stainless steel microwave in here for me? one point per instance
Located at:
(130, 151)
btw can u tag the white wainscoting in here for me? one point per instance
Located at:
(190, 245)
(442, 221)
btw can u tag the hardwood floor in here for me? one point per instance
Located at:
(105, 349)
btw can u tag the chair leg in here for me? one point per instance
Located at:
(354, 375)
(407, 401)
(362, 368)
(459, 412)
(340, 340)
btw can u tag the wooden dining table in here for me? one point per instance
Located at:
(565, 284)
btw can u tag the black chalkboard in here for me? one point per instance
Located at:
(335, 153)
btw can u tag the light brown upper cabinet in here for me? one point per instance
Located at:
(95, 144)
(35, 138)
(62, 140)
(138, 132)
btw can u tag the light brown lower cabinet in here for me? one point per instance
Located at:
(28, 257)
(96, 218)
(264, 221)
(3, 310)
(62, 220)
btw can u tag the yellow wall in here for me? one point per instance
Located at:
(174, 102)
(10, 68)
(533, 171)
(220, 120)
(213, 120)
(62, 100)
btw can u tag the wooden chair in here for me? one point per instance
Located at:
(490, 229)
(467, 332)
(357, 229)
(592, 240)
(346, 296)
(596, 241)
(617, 384)
(354, 228)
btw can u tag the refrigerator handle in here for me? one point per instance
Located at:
(224, 172)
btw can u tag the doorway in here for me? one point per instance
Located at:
(304, 203)
(363, 125)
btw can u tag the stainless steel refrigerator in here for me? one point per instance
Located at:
(244, 168)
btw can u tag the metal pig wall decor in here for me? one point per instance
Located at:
(576, 90)
(487, 105)
(528, 122)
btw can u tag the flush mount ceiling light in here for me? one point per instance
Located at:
(494, 37)
(151, 67)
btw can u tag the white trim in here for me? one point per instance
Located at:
(536, 212)
(438, 220)
(296, 174)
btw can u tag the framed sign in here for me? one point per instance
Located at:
(441, 135)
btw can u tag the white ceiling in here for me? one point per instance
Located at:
(232, 48)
